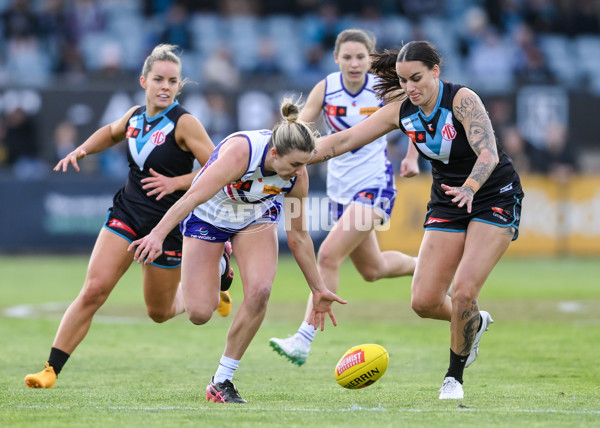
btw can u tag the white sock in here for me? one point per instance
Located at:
(307, 332)
(222, 266)
(226, 368)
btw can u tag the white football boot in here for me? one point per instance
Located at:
(295, 348)
(451, 390)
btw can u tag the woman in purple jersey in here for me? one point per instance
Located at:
(163, 141)
(247, 169)
(474, 210)
(359, 208)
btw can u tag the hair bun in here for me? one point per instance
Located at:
(290, 111)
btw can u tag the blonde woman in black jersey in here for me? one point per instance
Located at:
(163, 140)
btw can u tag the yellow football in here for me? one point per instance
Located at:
(361, 366)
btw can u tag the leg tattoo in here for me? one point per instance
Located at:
(471, 327)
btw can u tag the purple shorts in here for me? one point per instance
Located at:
(382, 200)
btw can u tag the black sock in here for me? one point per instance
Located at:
(57, 359)
(227, 277)
(457, 366)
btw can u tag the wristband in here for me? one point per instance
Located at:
(469, 182)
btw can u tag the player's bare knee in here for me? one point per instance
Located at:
(257, 297)
(199, 316)
(420, 308)
(463, 296)
(158, 316)
(327, 259)
(424, 307)
(94, 293)
(369, 273)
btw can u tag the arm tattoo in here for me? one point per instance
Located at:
(315, 156)
(332, 155)
(480, 135)
(469, 190)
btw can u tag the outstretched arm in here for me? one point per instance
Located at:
(303, 250)
(378, 124)
(470, 111)
(102, 139)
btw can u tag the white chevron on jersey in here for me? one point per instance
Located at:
(247, 199)
(362, 168)
(165, 126)
(440, 140)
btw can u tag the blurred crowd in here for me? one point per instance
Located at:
(493, 46)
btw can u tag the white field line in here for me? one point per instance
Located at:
(354, 408)
(56, 309)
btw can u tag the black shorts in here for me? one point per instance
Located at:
(504, 211)
(131, 228)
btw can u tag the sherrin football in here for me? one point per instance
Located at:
(361, 366)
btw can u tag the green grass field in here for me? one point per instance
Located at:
(538, 365)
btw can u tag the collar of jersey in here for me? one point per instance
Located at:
(357, 92)
(161, 114)
(437, 105)
(263, 171)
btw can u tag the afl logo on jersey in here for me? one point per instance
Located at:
(448, 132)
(158, 138)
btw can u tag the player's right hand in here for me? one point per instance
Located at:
(70, 159)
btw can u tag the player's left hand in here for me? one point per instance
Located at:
(322, 305)
(158, 183)
(463, 195)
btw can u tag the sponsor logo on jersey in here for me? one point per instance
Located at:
(448, 132)
(271, 190)
(506, 188)
(417, 136)
(336, 110)
(368, 111)
(132, 132)
(120, 225)
(407, 121)
(158, 138)
(433, 220)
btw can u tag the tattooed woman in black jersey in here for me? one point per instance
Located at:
(476, 194)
